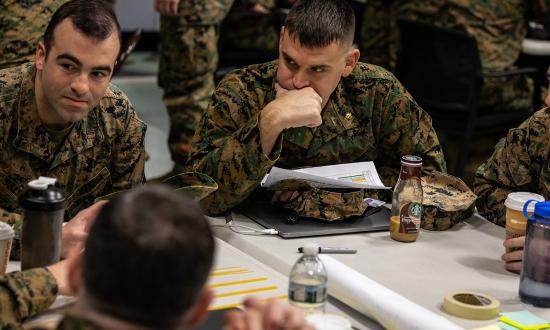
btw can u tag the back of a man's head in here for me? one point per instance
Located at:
(319, 23)
(147, 257)
(93, 18)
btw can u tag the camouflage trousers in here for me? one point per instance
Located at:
(188, 59)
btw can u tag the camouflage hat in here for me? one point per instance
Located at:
(323, 204)
(193, 184)
(447, 201)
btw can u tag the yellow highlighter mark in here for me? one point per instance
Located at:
(252, 280)
(216, 308)
(236, 293)
(230, 272)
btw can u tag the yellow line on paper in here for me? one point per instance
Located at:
(226, 268)
(259, 279)
(230, 272)
(216, 308)
(236, 293)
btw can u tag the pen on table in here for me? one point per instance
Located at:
(338, 250)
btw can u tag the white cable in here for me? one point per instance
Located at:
(250, 231)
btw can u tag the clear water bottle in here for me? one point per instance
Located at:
(308, 282)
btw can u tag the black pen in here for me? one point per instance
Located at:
(338, 250)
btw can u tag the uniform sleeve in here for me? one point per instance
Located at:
(25, 294)
(227, 146)
(127, 168)
(514, 166)
(403, 128)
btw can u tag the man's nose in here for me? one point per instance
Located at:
(80, 84)
(300, 80)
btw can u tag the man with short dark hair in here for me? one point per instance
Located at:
(60, 117)
(315, 106)
(145, 266)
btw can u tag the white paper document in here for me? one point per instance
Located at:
(352, 175)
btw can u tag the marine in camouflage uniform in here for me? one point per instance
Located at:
(498, 26)
(520, 162)
(188, 59)
(369, 117)
(22, 25)
(100, 154)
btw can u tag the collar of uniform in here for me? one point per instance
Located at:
(32, 136)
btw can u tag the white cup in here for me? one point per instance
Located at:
(6, 237)
(515, 220)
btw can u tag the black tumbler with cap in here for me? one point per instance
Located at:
(43, 210)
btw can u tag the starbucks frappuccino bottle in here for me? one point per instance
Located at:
(407, 201)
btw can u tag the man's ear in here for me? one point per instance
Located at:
(40, 55)
(351, 61)
(75, 271)
(200, 309)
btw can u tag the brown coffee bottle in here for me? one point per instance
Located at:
(407, 201)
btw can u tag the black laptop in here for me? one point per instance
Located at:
(262, 211)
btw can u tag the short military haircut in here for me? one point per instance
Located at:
(93, 18)
(147, 257)
(318, 23)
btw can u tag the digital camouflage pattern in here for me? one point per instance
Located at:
(369, 117)
(22, 26)
(520, 162)
(498, 26)
(321, 203)
(25, 294)
(29, 293)
(447, 200)
(103, 153)
(187, 62)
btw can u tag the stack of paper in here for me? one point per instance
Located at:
(352, 175)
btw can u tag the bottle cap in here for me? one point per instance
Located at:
(516, 200)
(542, 209)
(42, 195)
(329, 322)
(471, 305)
(411, 160)
(311, 249)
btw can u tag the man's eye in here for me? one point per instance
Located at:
(318, 70)
(99, 74)
(67, 66)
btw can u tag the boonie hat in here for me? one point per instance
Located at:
(447, 200)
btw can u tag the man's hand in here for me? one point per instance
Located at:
(167, 7)
(513, 261)
(60, 271)
(75, 231)
(258, 8)
(261, 315)
(291, 108)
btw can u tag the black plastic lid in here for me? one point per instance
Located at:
(46, 197)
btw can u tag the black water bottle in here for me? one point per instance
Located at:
(43, 210)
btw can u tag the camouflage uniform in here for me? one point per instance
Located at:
(188, 59)
(520, 162)
(103, 153)
(22, 25)
(498, 26)
(30, 293)
(25, 294)
(369, 116)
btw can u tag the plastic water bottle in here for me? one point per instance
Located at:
(308, 282)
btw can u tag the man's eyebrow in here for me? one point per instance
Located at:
(287, 57)
(71, 58)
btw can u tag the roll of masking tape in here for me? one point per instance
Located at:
(471, 305)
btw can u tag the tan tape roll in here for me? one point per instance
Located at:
(471, 305)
